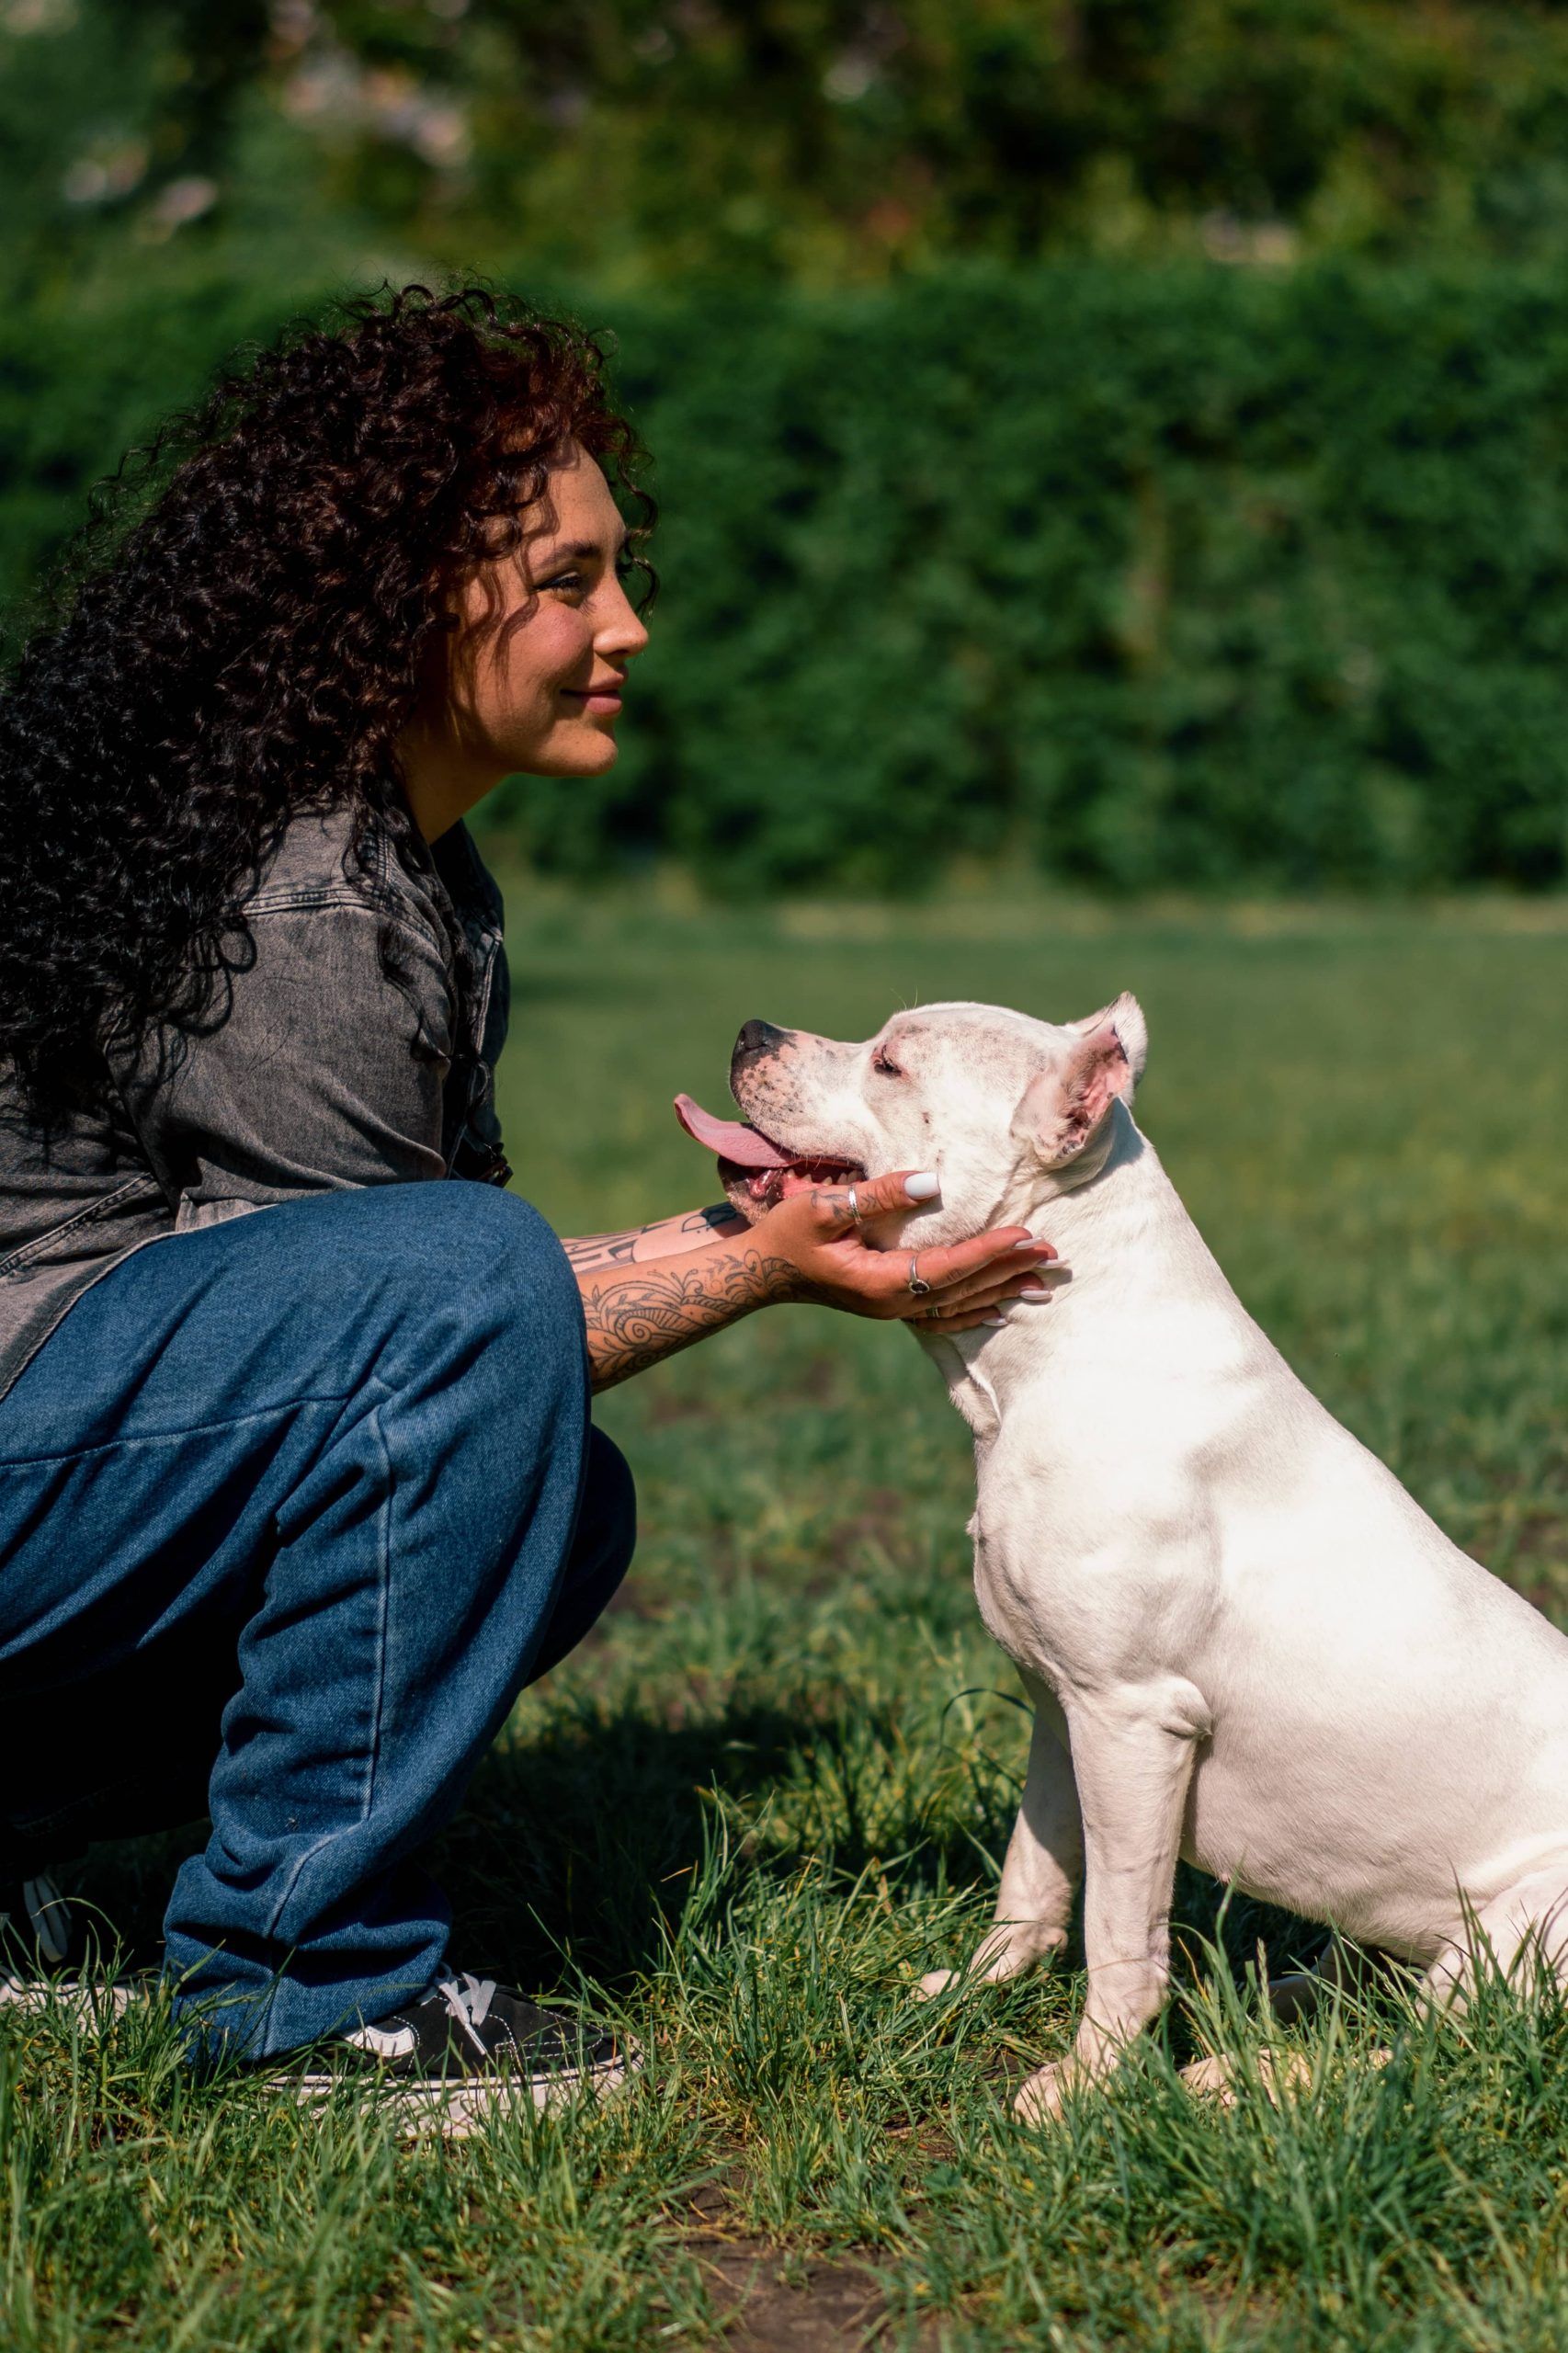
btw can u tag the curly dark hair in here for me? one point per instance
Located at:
(251, 646)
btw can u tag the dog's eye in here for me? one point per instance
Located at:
(881, 1060)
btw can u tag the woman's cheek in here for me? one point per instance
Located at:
(563, 647)
(530, 664)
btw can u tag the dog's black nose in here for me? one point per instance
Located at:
(757, 1039)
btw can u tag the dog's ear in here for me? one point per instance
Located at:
(1063, 1107)
(1125, 1016)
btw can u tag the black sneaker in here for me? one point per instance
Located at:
(37, 1934)
(467, 2046)
(46, 1957)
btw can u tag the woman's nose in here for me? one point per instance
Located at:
(624, 633)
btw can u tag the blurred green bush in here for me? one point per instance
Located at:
(1194, 576)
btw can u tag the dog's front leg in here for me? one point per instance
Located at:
(1044, 1862)
(1133, 1758)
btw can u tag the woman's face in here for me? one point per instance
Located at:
(539, 663)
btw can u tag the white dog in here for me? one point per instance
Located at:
(1245, 1643)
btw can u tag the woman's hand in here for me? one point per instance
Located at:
(817, 1234)
(810, 1247)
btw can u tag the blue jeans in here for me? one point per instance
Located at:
(291, 1510)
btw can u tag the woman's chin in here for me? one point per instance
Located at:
(586, 749)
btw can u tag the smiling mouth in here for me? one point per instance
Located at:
(768, 1171)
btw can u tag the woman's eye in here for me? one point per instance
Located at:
(571, 583)
(881, 1060)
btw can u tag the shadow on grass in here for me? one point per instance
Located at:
(578, 1846)
(576, 1839)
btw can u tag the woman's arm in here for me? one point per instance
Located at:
(637, 1313)
(667, 1237)
(810, 1247)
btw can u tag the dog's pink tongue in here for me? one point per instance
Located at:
(731, 1139)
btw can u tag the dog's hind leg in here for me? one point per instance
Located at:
(1519, 1933)
(1043, 1866)
(1340, 1968)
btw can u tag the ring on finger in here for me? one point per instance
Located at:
(854, 1206)
(917, 1282)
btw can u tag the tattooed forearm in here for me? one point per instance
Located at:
(664, 1238)
(589, 1251)
(645, 1313)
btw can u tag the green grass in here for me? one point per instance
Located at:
(775, 1785)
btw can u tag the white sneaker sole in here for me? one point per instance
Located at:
(103, 2001)
(458, 2109)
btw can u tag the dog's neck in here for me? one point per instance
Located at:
(1120, 1227)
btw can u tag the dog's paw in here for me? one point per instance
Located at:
(1280, 2074)
(938, 1980)
(1216, 2077)
(1042, 2096)
(1221, 2077)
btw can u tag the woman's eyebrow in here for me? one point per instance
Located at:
(578, 550)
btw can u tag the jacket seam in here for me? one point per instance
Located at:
(23, 1257)
(394, 910)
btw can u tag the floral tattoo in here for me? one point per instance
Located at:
(651, 1312)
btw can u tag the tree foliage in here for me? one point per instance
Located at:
(817, 139)
(1138, 576)
(1001, 517)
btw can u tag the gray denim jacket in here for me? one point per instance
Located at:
(310, 1085)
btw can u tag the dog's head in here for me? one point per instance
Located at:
(1005, 1110)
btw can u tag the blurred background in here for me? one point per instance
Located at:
(1120, 441)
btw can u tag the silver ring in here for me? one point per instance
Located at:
(917, 1282)
(854, 1205)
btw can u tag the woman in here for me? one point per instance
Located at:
(292, 1506)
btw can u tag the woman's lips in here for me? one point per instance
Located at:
(605, 700)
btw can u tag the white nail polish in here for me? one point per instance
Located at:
(1000, 1322)
(924, 1188)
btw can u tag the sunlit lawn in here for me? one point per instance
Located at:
(776, 1786)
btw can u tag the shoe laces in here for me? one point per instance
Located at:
(469, 1999)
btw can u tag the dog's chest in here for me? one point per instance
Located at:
(1077, 1576)
(1021, 1583)
(1006, 1607)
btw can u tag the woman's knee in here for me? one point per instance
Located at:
(453, 1300)
(463, 1257)
(500, 1310)
(460, 1227)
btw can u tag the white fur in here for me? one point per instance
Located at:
(1246, 1643)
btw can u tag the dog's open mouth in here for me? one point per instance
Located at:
(766, 1169)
